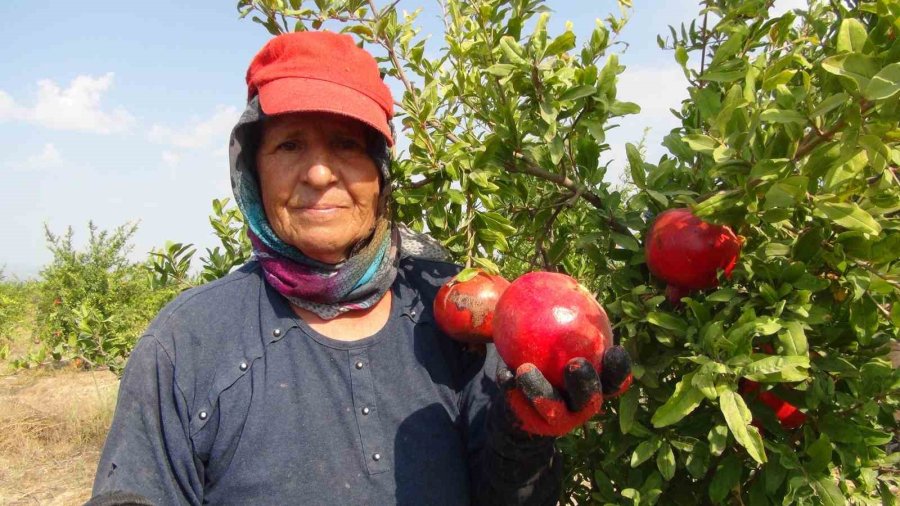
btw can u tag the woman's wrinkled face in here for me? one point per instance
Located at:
(319, 186)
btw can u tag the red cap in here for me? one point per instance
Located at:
(321, 72)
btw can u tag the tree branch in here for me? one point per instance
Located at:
(816, 137)
(539, 244)
(528, 167)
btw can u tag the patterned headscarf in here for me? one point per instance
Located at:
(327, 290)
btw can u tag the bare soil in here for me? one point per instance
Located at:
(52, 426)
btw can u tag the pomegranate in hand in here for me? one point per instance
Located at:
(464, 310)
(546, 319)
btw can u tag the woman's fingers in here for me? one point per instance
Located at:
(616, 370)
(582, 383)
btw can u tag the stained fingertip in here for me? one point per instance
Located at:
(532, 383)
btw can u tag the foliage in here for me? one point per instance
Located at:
(93, 303)
(170, 266)
(14, 301)
(790, 136)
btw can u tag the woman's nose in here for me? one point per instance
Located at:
(320, 172)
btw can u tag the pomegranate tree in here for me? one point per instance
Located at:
(546, 319)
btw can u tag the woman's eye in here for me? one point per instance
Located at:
(349, 143)
(288, 146)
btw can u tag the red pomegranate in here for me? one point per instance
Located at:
(464, 310)
(546, 319)
(789, 416)
(687, 252)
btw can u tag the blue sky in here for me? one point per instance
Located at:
(120, 111)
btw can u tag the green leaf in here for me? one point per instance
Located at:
(628, 406)
(738, 417)
(681, 55)
(466, 274)
(667, 321)
(847, 169)
(852, 36)
(705, 380)
(578, 92)
(701, 143)
(777, 369)
(885, 84)
(725, 76)
(783, 116)
(500, 69)
(624, 108)
(560, 45)
(683, 401)
(849, 215)
(512, 50)
(786, 193)
(636, 164)
(644, 451)
(726, 477)
(698, 461)
(853, 66)
(793, 338)
(665, 461)
(828, 492)
(627, 242)
(819, 453)
(722, 295)
(829, 104)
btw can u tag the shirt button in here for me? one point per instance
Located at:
(412, 313)
(358, 364)
(276, 332)
(243, 366)
(203, 415)
(365, 411)
(376, 457)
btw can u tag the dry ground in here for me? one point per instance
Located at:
(52, 426)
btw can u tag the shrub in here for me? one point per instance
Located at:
(15, 300)
(93, 303)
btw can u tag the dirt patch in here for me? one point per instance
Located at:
(52, 427)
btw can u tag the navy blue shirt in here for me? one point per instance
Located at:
(229, 398)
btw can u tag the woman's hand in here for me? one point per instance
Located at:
(540, 409)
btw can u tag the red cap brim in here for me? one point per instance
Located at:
(298, 94)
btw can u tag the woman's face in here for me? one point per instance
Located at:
(319, 186)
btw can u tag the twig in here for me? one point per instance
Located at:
(816, 137)
(529, 167)
(419, 184)
(882, 309)
(470, 230)
(703, 55)
(539, 245)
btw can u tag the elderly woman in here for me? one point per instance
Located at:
(315, 374)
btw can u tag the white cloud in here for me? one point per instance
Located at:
(201, 133)
(170, 158)
(48, 158)
(9, 109)
(77, 107)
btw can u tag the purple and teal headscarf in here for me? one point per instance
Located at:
(325, 289)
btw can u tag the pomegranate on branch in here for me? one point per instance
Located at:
(687, 252)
